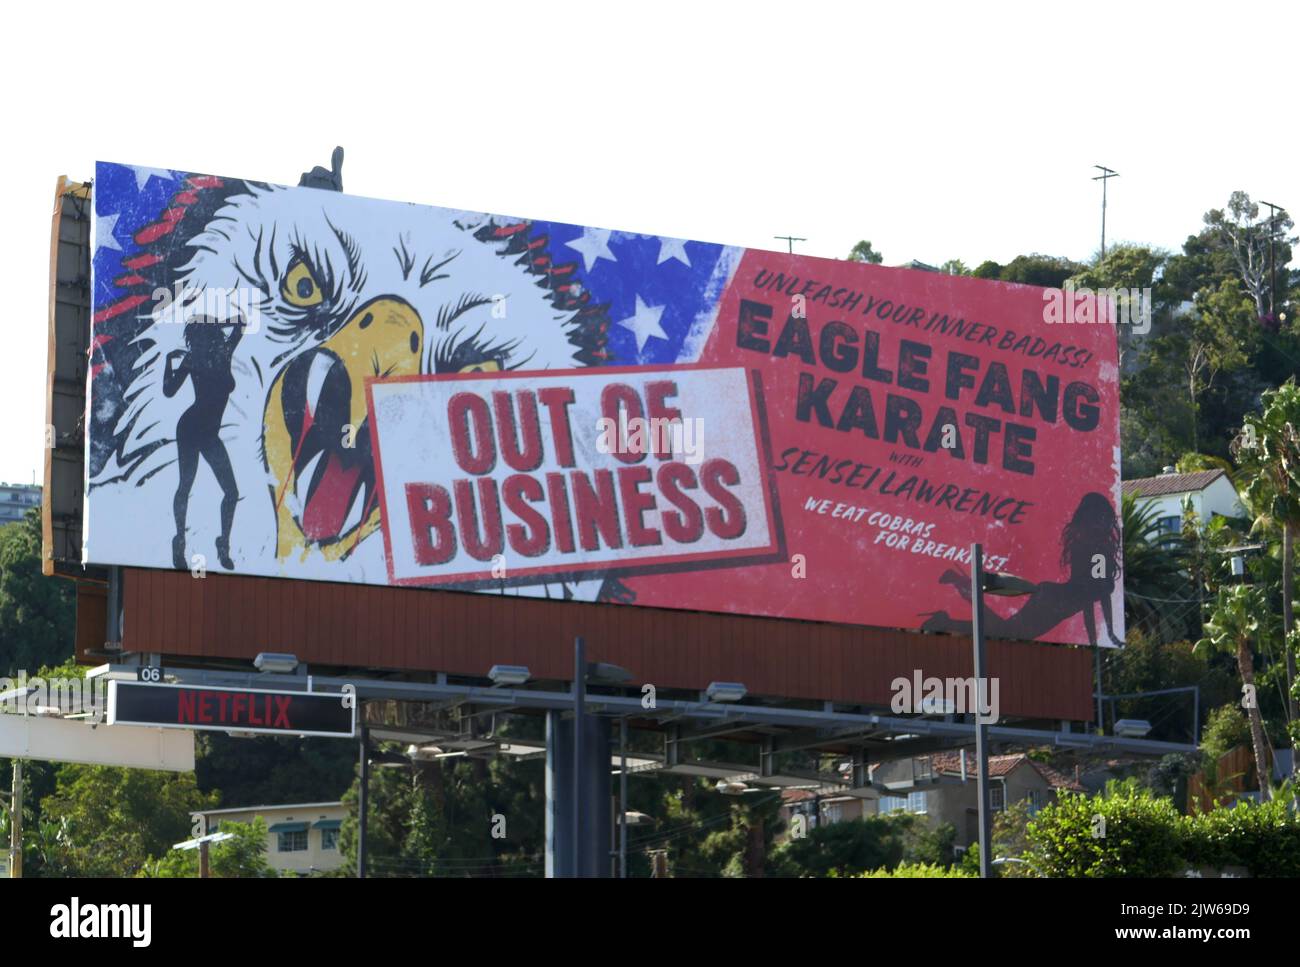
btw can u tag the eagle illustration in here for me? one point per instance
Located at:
(240, 340)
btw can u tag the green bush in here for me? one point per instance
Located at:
(909, 871)
(1264, 838)
(1127, 833)
(1226, 728)
(850, 847)
(1143, 835)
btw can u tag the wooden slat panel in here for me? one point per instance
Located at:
(341, 624)
(92, 620)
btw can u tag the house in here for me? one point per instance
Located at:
(300, 837)
(16, 500)
(940, 787)
(1210, 492)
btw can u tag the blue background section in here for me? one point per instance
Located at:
(116, 192)
(683, 291)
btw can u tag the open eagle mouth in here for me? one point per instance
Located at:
(332, 488)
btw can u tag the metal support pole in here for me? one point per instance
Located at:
(1101, 721)
(16, 823)
(981, 727)
(363, 806)
(622, 798)
(591, 799)
(204, 871)
(113, 624)
(579, 720)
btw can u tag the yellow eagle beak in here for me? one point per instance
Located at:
(316, 431)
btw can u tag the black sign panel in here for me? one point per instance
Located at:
(231, 709)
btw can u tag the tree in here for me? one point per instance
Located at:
(1238, 619)
(1149, 664)
(241, 857)
(117, 820)
(954, 267)
(1269, 449)
(863, 252)
(853, 846)
(1127, 269)
(1241, 231)
(272, 769)
(742, 848)
(1225, 729)
(1216, 334)
(37, 614)
(1152, 569)
(451, 817)
(1050, 271)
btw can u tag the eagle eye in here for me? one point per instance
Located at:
(300, 287)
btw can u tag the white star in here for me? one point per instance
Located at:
(104, 232)
(645, 323)
(673, 248)
(593, 245)
(142, 175)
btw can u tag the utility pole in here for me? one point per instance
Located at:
(363, 798)
(981, 729)
(791, 239)
(204, 872)
(16, 823)
(1106, 175)
(579, 711)
(1272, 266)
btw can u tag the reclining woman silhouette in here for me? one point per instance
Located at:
(205, 361)
(1091, 549)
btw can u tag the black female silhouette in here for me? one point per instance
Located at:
(1091, 551)
(206, 362)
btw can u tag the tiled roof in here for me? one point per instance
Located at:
(1172, 483)
(797, 795)
(949, 763)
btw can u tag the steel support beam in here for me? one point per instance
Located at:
(845, 723)
(577, 796)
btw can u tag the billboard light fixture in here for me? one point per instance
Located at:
(1133, 728)
(275, 661)
(725, 691)
(1007, 585)
(605, 673)
(509, 674)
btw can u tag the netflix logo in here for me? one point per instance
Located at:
(237, 709)
(484, 476)
(231, 709)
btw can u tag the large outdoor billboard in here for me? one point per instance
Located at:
(298, 383)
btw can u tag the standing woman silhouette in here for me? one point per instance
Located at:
(205, 361)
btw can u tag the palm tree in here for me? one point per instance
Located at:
(1268, 449)
(1238, 618)
(1153, 570)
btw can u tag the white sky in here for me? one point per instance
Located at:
(937, 130)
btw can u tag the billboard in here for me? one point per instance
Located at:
(293, 382)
